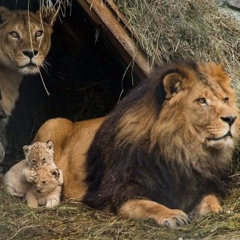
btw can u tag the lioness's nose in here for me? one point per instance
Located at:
(30, 54)
(229, 119)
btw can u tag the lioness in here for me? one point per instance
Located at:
(163, 153)
(25, 40)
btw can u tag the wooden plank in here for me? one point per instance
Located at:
(119, 37)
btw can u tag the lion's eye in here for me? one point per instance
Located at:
(225, 100)
(44, 160)
(201, 100)
(14, 34)
(44, 182)
(39, 33)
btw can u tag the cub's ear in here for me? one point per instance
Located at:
(172, 83)
(55, 172)
(4, 14)
(49, 145)
(48, 15)
(25, 149)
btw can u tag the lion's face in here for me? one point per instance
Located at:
(25, 39)
(39, 154)
(46, 180)
(205, 103)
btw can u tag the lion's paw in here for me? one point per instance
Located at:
(31, 177)
(174, 218)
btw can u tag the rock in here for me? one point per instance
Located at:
(233, 4)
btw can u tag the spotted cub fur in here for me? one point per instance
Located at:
(46, 189)
(20, 177)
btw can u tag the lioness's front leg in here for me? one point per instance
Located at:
(147, 209)
(209, 203)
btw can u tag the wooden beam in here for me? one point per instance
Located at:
(114, 25)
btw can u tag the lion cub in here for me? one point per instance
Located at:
(46, 189)
(20, 177)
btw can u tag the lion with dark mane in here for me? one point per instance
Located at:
(163, 153)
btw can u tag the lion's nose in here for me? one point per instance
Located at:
(229, 119)
(30, 54)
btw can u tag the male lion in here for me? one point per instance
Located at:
(164, 153)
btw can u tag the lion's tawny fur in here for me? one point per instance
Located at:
(164, 152)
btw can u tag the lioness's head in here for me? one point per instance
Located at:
(25, 39)
(202, 101)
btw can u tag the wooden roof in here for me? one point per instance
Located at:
(114, 24)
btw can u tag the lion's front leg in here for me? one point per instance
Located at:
(209, 203)
(147, 209)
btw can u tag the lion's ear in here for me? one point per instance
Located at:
(25, 149)
(4, 13)
(49, 144)
(172, 84)
(55, 173)
(48, 15)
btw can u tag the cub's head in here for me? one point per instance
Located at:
(39, 153)
(47, 179)
(25, 39)
(200, 104)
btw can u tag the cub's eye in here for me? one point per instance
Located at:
(33, 161)
(225, 100)
(44, 182)
(39, 33)
(14, 34)
(44, 160)
(202, 100)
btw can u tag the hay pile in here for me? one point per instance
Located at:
(170, 29)
(72, 221)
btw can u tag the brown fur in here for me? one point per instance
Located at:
(18, 39)
(163, 153)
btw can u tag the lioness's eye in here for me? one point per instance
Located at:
(201, 100)
(44, 182)
(44, 160)
(225, 100)
(39, 33)
(14, 34)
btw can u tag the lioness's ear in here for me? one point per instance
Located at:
(25, 149)
(172, 84)
(4, 13)
(48, 15)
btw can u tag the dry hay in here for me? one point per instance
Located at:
(72, 220)
(170, 29)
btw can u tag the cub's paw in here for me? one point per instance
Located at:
(52, 203)
(173, 218)
(31, 177)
